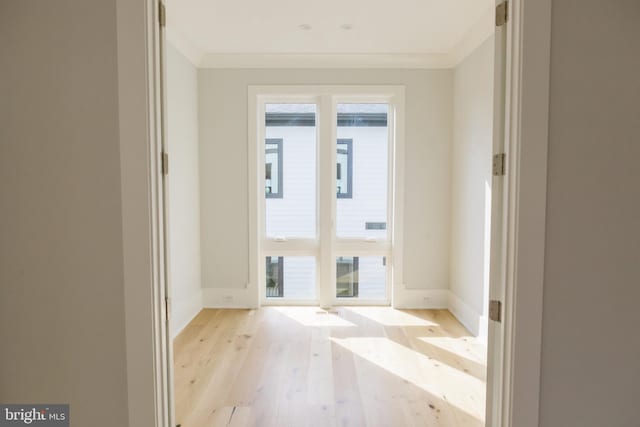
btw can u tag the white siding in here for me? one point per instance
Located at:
(300, 278)
(295, 214)
(369, 202)
(372, 277)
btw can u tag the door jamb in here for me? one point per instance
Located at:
(527, 141)
(526, 145)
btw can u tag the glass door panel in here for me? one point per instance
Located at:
(290, 277)
(290, 171)
(362, 157)
(362, 278)
(326, 190)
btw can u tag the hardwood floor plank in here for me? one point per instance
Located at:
(350, 367)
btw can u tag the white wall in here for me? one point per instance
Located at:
(590, 339)
(62, 313)
(184, 189)
(471, 186)
(223, 167)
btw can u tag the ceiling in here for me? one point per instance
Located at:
(325, 26)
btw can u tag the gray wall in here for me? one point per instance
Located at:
(223, 167)
(61, 262)
(184, 189)
(591, 342)
(471, 182)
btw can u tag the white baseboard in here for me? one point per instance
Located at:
(470, 318)
(229, 298)
(183, 311)
(404, 298)
(421, 298)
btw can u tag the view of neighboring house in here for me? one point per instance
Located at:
(362, 160)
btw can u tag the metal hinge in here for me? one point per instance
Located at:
(495, 310)
(502, 13)
(165, 163)
(162, 14)
(499, 164)
(167, 308)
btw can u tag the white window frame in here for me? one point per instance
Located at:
(326, 245)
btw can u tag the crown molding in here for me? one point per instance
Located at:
(185, 46)
(476, 35)
(315, 60)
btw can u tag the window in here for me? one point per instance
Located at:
(362, 144)
(324, 228)
(291, 277)
(361, 277)
(273, 169)
(344, 172)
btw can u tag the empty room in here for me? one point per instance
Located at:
(329, 175)
(424, 213)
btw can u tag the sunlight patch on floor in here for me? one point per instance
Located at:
(429, 374)
(313, 316)
(388, 316)
(467, 347)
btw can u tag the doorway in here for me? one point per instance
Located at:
(518, 385)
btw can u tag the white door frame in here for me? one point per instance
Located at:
(326, 245)
(526, 140)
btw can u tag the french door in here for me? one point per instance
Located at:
(326, 162)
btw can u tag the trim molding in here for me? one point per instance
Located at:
(149, 369)
(229, 297)
(406, 298)
(477, 34)
(475, 322)
(185, 46)
(411, 298)
(322, 60)
(183, 311)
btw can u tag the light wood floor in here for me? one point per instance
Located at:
(302, 366)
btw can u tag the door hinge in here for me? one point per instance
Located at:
(499, 164)
(165, 163)
(167, 308)
(162, 14)
(495, 310)
(502, 14)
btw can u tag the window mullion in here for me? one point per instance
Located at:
(327, 134)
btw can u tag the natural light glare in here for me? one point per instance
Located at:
(388, 316)
(313, 316)
(430, 374)
(467, 347)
